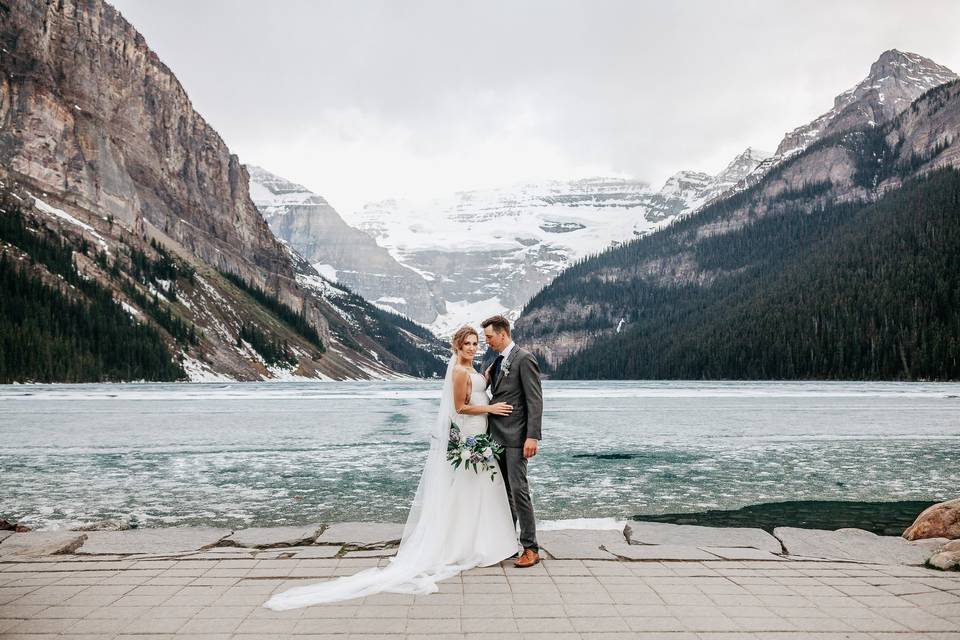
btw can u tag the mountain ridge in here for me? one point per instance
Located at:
(856, 166)
(506, 243)
(101, 144)
(308, 223)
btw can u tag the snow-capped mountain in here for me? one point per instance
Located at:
(896, 79)
(490, 251)
(308, 224)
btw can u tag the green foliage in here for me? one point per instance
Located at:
(847, 291)
(163, 274)
(47, 335)
(272, 351)
(296, 321)
(181, 331)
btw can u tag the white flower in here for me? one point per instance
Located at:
(487, 452)
(465, 455)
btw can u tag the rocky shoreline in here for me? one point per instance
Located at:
(638, 541)
(933, 539)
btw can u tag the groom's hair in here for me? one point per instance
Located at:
(498, 322)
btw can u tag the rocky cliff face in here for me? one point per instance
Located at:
(313, 228)
(895, 80)
(94, 126)
(90, 111)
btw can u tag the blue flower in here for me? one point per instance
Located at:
(471, 441)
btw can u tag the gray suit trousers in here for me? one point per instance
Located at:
(513, 466)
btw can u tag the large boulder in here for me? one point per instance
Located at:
(948, 557)
(939, 521)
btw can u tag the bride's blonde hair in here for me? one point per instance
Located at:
(457, 340)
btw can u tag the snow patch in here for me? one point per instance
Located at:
(133, 311)
(461, 312)
(201, 372)
(63, 215)
(328, 271)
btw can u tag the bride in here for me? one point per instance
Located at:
(459, 518)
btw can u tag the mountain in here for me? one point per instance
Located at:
(313, 228)
(895, 80)
(488, 251)
(837, 263)
(102, 155)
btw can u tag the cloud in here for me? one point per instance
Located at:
(367, 99)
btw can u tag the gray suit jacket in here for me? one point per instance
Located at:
(519, 386)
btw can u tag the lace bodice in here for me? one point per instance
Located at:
(473, 425)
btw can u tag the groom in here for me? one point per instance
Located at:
(515, 379)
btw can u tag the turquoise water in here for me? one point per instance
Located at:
(252, 454)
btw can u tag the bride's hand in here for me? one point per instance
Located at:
(500, 409)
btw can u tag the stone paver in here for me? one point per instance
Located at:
(659, 552)
(857, 545)
(695, 536)
(41, 543)
(301, 553)
(568, 544)
(5, 534)
(674, 592)
(362, 534)
(263, 537)
(742, 553)
(151, 541)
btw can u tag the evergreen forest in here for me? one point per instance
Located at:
(70, 333)
(837, 291)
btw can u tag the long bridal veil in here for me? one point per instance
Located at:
(418, 565)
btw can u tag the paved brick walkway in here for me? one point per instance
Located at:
(219, 597)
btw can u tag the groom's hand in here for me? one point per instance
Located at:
(530, 448)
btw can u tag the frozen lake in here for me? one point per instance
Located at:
(249, 454)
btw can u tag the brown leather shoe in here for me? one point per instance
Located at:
(528, 558)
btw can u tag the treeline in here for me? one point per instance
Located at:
(391, 331)
(296, 321)
(162, 274)
(48, 335)
(848, 291)
(272, 350)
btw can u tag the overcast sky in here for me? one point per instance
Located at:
(361, 100)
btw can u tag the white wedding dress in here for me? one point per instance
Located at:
(459, 520)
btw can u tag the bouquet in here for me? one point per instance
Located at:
(479, 452)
